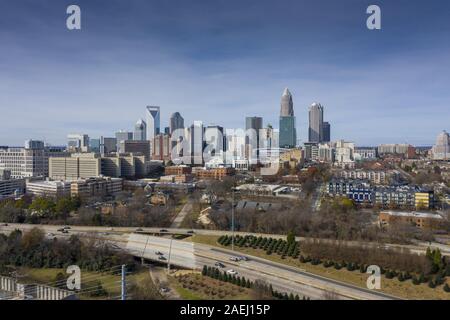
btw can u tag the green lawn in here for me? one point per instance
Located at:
(110, 282)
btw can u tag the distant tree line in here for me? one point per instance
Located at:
(32, 249)
(72, 210)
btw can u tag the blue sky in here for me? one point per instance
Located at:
(220, 61)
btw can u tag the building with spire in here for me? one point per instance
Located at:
(288, 131)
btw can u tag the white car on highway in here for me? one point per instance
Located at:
(232, 272)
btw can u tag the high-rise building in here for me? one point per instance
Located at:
(153, 122)
(176, 122)
(78, 142)
(84, 165)
(253, 126)
(215, 141)
(326, 135)
(30, 161)
(287, 104)
(441, 150)
(108, 145)
(196, 142)
(94, 145)
(133, 146)
(288, 131)
(315, 123)
(140, 130)
(122, 136)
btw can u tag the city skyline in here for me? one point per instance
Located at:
(98, 80)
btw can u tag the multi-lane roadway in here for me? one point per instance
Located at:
(191, 255)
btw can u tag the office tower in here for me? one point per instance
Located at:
(253, 126)
(441, 150)
(326, 136)
(10, 187)
(140, 130)
(78, 166)
(108, 145)
(176, 122)
(78, 142)
(153, 122)
(30, 161)
(196, 142)
(133, 146)
(123, 136)
(214, 140)
(94, 145)
(288, 131)
(315, 123)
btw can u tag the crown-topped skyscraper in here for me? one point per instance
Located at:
(288, 131)
(287, 105)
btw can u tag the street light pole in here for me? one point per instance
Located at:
(232, 219)
(123, 295)
(168, 260)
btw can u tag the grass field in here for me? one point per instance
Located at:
(110, 282)
(394, 287)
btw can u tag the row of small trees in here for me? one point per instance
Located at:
(217, 274)
(281, 247)
(431, 268)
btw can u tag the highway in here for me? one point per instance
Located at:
(194, 256)
(419, 247)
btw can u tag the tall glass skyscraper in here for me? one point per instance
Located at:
(326, 132)
(315, 132)
(140, 131)
(153, 122)
(288, 130)
(253, 126)
(176, 122)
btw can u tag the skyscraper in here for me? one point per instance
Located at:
(288, 131)
(441, 150)
(140, 130)
(315, 133)
(214, 140)
(253, 126)
(287, 104)
(176, 122)
(78, 142)
(326, 136)
(108, 145)
(94, 145)
(153, 122)
(196, 142)
(122, 136)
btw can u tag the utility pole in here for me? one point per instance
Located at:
(143, 251)
(168, 260)
(123, 283)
